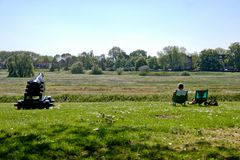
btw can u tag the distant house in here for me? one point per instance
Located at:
(43, 65)
(2, 65)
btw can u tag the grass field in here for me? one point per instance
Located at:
(117, 124)
(128, 83)
(121, 130)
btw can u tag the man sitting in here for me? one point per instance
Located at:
(180, 95)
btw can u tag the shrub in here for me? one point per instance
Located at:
(96, 70)
(185, 73)
(51, 69)
(20, 65)
(77, 68)
(143, 70)
(119, 71)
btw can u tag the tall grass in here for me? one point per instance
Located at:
(120, 97)
(128, 83)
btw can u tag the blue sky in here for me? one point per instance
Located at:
(73, 26)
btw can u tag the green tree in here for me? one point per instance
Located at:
(66, 61)
(20, 65)
(96, 70)
(130, 65)
(235, 54)
(77, 68)
(55, 63)
(177, 57)
(153, 63)
(163, 61)
(173, 57)
(88, 60)
(138, 53)
(143, 70)
(109, 64)
(102, 61)
(141, 61)
(119, 57)
(134, 56)
(209, 60)
(195, 57)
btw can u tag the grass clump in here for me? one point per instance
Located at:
(119, 71)
(185, 73)
(96, 70)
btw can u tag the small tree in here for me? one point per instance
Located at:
(119, 71)
(96, 70)
(143, 70)
(185, 73)
(77, 68)
(20, 65)
(55, 64)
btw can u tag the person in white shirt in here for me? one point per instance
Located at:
(179, 92)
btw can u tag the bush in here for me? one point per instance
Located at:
(143, 70)
(77, 68)
(185, 73)
(119, 71)
(96, 70)
(20, 65)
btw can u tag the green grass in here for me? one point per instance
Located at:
(108, 126)
(121, 130)
(58, 83)
(67, 87)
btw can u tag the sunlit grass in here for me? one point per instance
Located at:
(121, 130)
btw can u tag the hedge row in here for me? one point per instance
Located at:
(117, 97)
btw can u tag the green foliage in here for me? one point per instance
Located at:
(96, 70)
(88, 60)
(235, 54)
(141, 61)
(118, 56)
(20, 65)
(55, 64)
(209, 61)
(77, 68)
(174, 58)
(143, 70)
(138, 53)
(120, 130)
(120, 71)
(153, 63)
(185, 73)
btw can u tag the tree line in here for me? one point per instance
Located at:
(171, 58)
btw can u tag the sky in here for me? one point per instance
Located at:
(51, 27)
